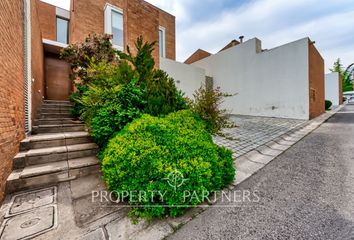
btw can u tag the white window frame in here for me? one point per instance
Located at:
(163, 30)
(108, 22)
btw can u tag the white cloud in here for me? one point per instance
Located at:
(275, 22)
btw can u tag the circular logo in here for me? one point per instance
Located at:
(175, 179)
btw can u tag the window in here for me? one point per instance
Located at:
(117, 28)
(62, 30)
(114, 25)
(162, 41)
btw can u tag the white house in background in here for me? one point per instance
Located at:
(333, 88)
(286, 82)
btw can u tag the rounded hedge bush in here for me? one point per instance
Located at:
(174, 156)
(328, 104)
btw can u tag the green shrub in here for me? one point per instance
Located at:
(163, 96)
(142, 156)
(77, 108)
(207, 104)
(124, 107)
(328, 105)
(142, 61)
(105, 75)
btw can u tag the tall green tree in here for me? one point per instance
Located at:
(346, 74)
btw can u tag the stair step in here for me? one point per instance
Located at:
(55, 110)
(58, 128)
(53, 115)
(53, 154)
(56, 102)
(54, 140)
(41, 169)
(44, 175)
(57, 105)
(56, 121)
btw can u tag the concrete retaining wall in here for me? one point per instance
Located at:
(188, 78)
(273, 83)
(332, 88)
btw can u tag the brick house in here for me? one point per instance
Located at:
(125, 20)
(31, 70)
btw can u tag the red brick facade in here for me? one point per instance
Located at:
(316, 82)
(11, 86)
(12, 80)
(140, 18)
(47, 20)
(38, 80)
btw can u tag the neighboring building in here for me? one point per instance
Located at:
(333, 88)
(197, 55)
(286, 81)
(32, 35)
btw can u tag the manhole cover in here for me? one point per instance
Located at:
(30, 224)
(27, 201)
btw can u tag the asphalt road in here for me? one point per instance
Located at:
(305, 193)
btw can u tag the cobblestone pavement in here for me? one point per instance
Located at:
(67, 211)
(252, 132)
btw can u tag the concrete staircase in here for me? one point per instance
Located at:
(60, 150)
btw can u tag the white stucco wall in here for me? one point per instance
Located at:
(273, 83)
(188, 78)
(332, 88)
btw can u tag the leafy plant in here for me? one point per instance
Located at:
(328, 105)
(143, 156)
(96, 48)
(114, 115)
(108, 109)
(207, 103)
(162, 96)
(346, 75)
(142, 61)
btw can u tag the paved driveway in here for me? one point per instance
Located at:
(305, 193)
(252, 132)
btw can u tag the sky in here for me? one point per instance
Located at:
(211, 24)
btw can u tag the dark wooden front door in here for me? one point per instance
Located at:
(58, 84)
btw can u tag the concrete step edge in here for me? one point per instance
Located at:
(14, 183)
(61, 149)
(60, 125)
(55, 136)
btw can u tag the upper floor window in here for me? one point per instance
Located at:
(62, 30)
(162, 41)
(114, 25)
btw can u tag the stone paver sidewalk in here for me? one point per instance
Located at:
(253, 132)
(67, 211)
